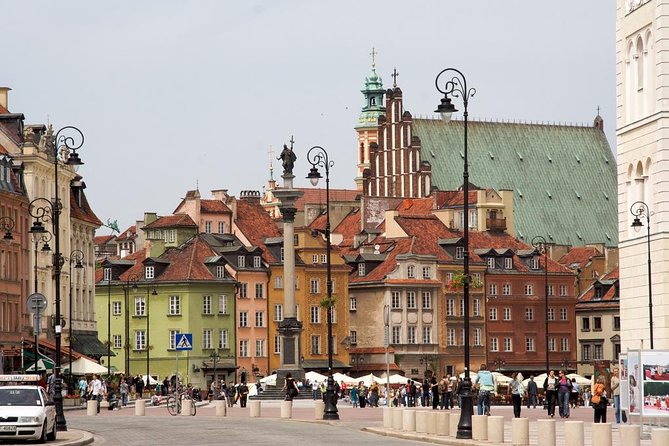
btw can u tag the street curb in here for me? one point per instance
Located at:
(424, 438)
(86, 438)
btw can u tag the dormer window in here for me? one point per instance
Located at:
(241, 261)
(491, 262)
(220, 271)
(459, 252)
(149, 272)
(107, 274)
(256, 262)
(599, 292)
(508, 262)
(534, 262)
(411, 271)
(361, 269)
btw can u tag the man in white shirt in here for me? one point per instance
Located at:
(96, 390)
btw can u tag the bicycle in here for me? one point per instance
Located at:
(174, 404)
(486, 401)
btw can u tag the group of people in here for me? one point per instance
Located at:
(233, 392)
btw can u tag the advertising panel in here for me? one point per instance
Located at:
(624, 389)
(634, 382)
(655, 381)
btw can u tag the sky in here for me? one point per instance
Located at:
(173, 95)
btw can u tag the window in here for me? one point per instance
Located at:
(411, 334)
(353, 303)
(222, 304)
(116, 308)
(241, 261)
(491, 262)
(585, 324)
(173, 235)
(282, 256)
(221, 227)
(411, 300)
(353, 336)
(260, 348)
(332, 286)
(278, 312)
(506, 314)
(492, 314)
(564, 344)
(459, 252)
(324, 259)
(173, 339)
(243, 290)
(551, 314)
(598, 352)
(315, 314)
(508, 262)
(586, 353)
(492, 289)
(220, 272)
(175, 305)
(551, 345)
(534, 262)
(529, 289)
(277, 345)
(563, 314)
(207, 338)
(361, 269)
(427, 272)
(260, 318)
(257, 263)
(314, 286)
(477, 307)
(140, 306)
(207, 227)
(411, 271)
(563, 290)
(427, 334)
(206, 304)
(243, 319)
(107, 274)
(551, 290)
(314, 258)
(117, 341)
(149, 272)
(597, 323)
(140, 340)
(450, 307)
(395, 301)
(494, 347)
(315, 345)
(462, 307)
(529, 344)
(296, 240)
(427, 300)
(477, 336)
(278, 282)
(297, 312)
(260, 294)
(244, 348)
(616, 322)
(223, 338)
(451, 336)
(396, 334)
(529, 314)
(506, 289)
(508, 344)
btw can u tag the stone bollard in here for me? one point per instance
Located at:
(221, 408)
(453, 421)
(91, 408)
(286, 409)
(480, 427)
(104, 404)
(573, 433)
(496, 429)
(409, 420)
(397, 418)
(601, 434)
(387, 417)
(443, 423)
(432, 422)
(187, 407)
(520, 431)
(319, 409)
(546, 432)
(140, 408)
(421, 421)
(254, 408)
(659, 437)
(630, 434)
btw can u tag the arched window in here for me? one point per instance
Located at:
(630, 95)
(639, 57)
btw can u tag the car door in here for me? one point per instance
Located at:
(49, 410)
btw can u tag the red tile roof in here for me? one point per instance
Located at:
(579, 255)
(83, 212)
(3, 110)
(171, 221)
(256, 225)
(609, 298)
(3, 150)
(214, 207)
(131, 232)
(454, 198)
(415, 206)
(102, 239)
(348, 228)
(317, 195)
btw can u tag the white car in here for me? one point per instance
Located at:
(26, 413)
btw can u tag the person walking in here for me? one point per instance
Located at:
(575, 393)
(96, 390)
(615, 390)
(563, 391)
(550, 389)
(599, 401)
(83, 387)
(243, 390)
(290, 387)
(517, 392)
(486, 383)
(532, 393)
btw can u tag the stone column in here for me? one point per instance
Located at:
(289, 328)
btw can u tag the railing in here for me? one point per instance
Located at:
(496, 224)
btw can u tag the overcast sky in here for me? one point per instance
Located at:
(172, 94)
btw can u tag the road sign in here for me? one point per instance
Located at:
(184, 341)
(36, 303)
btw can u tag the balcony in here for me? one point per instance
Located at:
(496, 224)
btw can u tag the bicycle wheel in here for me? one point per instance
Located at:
(193, 409)
(173, 406)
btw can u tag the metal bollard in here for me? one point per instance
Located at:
(601, 434)
(140, 408)
(546, 432)
(480, 427)
(221, 408)
(453, 421)
(91, 408)
(286, 409)
(397, 418)
(659, 437)
(409, 420)
(573, 433)
(443, 423)
(520, 431)
(254, 408)
(630, 434)
(496, 429)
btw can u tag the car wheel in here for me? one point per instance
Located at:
(42, 438)
(51, 436)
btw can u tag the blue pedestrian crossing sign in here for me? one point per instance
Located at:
(184, 341)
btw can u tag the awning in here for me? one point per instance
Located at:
(224, 364)
(88, 344)
(322, 364)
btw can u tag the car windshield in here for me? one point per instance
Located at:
(19, 397)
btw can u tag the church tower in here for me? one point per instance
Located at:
(367, 127)
(642, 122)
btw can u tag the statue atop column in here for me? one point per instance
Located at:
(288, 158)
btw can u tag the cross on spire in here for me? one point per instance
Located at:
(291, 142)
(598, 110)
(373, 54)
(394, 75)
(270, 154)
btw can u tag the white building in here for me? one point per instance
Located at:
(642, 122)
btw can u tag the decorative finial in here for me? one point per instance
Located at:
(598, 110)
(395, 74)
(373, 54)
(270, 154)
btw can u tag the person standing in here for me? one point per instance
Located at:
(615, 389)
(532, 393)
(563, 391)
(486, 383)
(443, 393)
(243, 394)
(413, 391)
(575, 393)
(123, 389)
(517, 392)
(434, 386)
(425, 393)
(166, 387)
(96, 390)
(139, 385)
(550, 389)
(599, 401)
(354, 396)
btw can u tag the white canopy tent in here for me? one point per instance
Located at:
(367, 380)
(148, 380)
(339, 377)
(269, 380)
(83, 366)
(580, 380)
(394, 379)
(315, 377)
(539, 379)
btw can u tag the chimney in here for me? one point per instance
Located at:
(220, 194)
(4, 97)
(149, 217)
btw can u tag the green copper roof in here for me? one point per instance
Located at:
(374, 107)
(563, 177)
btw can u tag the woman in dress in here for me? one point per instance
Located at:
(290, 387)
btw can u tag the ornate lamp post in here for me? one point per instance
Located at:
(215, 357)
(456, 86)
(540, 244)
(66, 143)
(318, 157)
(640, 210)
(76, 257)
(499, 363)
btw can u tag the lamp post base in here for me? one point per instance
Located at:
(61, 424)
(330, 412)
(466, 411)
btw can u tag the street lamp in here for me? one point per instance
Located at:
(457, 87)
(540, 244)
(639, 210)
(499, 363)
(318, 157)
(37, 238)
(65, 143)
(132, 279)
(7, 224)
(76, 257)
